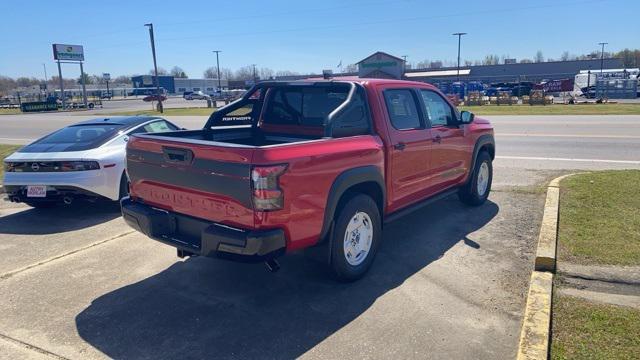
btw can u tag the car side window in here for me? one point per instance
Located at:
(155, 127)
(436, 109)
(402, 109)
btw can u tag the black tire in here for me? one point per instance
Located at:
(42, 204)
(469, 194)
(340, 266)
(124, 187)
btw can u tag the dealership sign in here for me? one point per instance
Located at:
(68, 52)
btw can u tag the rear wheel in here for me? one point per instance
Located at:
(124, 186)
(356, 236)
(477, 189)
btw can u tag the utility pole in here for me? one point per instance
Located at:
(459, 35)
(46, 78)
(602, 56)
(404, 64)
(61, 85)
(155, 66)
(218, 67)
(255, 81)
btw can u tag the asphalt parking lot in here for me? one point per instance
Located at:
(449, 281)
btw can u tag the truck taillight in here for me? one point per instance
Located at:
(267, 194)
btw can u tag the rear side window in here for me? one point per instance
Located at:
(76, 138)
(402, 108)
(307, 106)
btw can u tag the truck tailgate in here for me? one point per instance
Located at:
(200, 180)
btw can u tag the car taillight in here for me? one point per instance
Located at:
(9, 167)
(79, 165)
(267, 194)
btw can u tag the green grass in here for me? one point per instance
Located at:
(557, 109)
(10, 111)
(600, 218)
(6, 150)
(584, 330)
(167, 112)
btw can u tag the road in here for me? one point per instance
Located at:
(536, 142)
(449, 281)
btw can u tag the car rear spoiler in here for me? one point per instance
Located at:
(255, 95)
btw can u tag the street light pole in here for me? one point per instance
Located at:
(404, 64)
(218, 67)
(254, 74)
(155, 66)
(459, 35)
(602, 56)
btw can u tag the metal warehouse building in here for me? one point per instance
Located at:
(179, 85)
(383, 65)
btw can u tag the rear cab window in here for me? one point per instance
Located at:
(301, 109)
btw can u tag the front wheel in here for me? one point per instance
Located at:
(476, 191)
(356, 237)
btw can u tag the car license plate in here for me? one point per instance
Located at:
(36, 191)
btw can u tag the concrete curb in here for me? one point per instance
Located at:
(534, 336)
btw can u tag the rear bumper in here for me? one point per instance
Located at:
(201, 237)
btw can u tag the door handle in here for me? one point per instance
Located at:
(437, 139)
(400, 146)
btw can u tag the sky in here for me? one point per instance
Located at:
(301, 36)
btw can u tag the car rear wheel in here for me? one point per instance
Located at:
(124, 186)
(356, 236)
(476, 191)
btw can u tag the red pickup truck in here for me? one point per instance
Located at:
(293, 165)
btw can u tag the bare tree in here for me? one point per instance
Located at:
(286, 73)
(161, 71)
(177, 72)
(212, 73)
(351, 68)
(122, 79)
(265, 73)
(539, 57)
(244, 73)
(424, 64)
(491, 60)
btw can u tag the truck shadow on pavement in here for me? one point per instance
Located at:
(203, 308)
(59, 219)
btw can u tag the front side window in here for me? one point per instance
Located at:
(437, 110)
(155, 127)
(402, 109)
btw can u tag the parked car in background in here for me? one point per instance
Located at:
(81, 161)
(198, 95)
(308, 163)
(154, 97)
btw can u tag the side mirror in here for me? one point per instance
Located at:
(466, 117)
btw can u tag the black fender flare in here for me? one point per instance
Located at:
(341, 184)
(486, 139)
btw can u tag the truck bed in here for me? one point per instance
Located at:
(232, 136)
